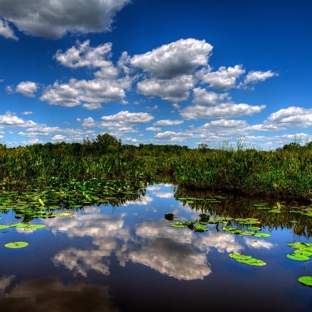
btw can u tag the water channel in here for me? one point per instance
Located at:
(130, 258)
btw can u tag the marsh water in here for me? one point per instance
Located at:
(129, 257)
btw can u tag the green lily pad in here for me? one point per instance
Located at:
(179, 225)
(254, 228)
(262, 235)
(247, 259)
(253, 261)
(297, 245)
(4, 227)
(64, 214)
(34, 227)
(305, 280)
(298, 257)
(16, 245)
(303, 252)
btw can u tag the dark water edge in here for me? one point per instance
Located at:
(129, 258)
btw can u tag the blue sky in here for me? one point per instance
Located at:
(154, 71)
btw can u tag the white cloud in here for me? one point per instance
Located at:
(91, 91)
(153, 129)
(167, 122)
(58, 137)
(9, 90)
(178, 58)
(258, 76)
(53, 19)
(286, 118)
(213, 105)
(223, 78)
(27, 113)
(84, 55)
(92, 106)
(202, 97)
(124, 63)
(27, 88)
(11, 120)
(174, 90)
(127, 118)
(6, 31)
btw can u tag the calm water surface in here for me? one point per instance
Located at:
(129, 258)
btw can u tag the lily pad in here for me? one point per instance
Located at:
(297, 245)
(63, 214)
(305, 280)
(254, 228)
(16, 245)
(4, 227)
(34, 227)
(179, 225)
(298, 257)
(262, 235)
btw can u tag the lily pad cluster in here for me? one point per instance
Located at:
(303, 251)
(246, 259)
(193, 225)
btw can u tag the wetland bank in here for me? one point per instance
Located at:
(105, 226)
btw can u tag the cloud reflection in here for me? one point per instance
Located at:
(51, 295)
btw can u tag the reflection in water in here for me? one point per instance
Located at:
(50, 295)
(81, 261)
(174, 259)
(252, 243)
(108, 233)
(5, 282)
(221, 241)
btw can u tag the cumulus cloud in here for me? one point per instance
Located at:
(286, 118)
(92, 106)
(178, 58)
(27, 88)
(91, 91)
(174, 90)
(167, 122)
(254, 77)
(58, 137)
(153, 129)
(11, 120)
(126, 118)
(223, 78)
(213, 105)
(53, 19)
(6, 31)
(84, 55)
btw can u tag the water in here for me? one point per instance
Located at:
(129, 258)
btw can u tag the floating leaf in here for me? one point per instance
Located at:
(16, 245)
(4, 227)
(254, 228)
(298, 257)
(297, 245)
(179, 225)
(33, 227)
(262, 235)
(64, 214)
(305, 280)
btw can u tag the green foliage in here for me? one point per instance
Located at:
(284, 172)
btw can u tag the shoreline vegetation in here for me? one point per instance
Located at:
(283, 173)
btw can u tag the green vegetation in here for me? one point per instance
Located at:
(284, 172)
(247, 259)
